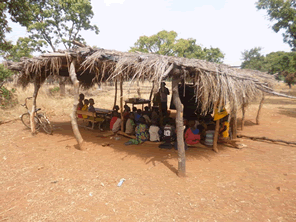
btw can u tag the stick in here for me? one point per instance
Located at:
(121, 103)
(267, 139)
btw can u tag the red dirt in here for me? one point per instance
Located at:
(45, 178)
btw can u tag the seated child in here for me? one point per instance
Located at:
(80, 104)
(142, 133)
(117, 125)
(154, 132)
(130, 125)
(192, 134)
(147, 111)
(113, 119)
(85, 108)
(91, 107)
(116, 108)
(224, 129)
(138, 115)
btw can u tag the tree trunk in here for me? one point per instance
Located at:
(62, 86)
(74, 124)
(32, 114)
(121, 103)
(179, 128)
(259, 110)
(115, 97)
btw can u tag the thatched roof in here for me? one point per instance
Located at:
(212, 81)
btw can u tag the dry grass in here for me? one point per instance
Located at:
(54, 105)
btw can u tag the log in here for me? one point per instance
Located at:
(115, 97)
(138, 89)
(121, 102)
(267, 139)
(259, 110)
(74, 124)
(168, 70)
(179, 128)
(33, 113)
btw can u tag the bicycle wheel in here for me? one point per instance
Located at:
(45, 124)
(26, 120)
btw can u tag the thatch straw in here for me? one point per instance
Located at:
(212, 82)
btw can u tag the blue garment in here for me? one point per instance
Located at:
(137, 117)
(195, 132)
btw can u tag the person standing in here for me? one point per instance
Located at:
(164, 92)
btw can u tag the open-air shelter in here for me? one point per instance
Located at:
(216, 85)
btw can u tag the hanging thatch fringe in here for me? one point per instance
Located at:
(212, 81)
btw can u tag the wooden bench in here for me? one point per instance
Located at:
(91, 117)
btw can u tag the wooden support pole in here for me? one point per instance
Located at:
(121, 103)
(216, 135)
(115, 97)
(179, 128)
(151, 93)
(138, 89)
(259, 110)
(243, 116)
(74, 124)
(234, 125)
(32, 114)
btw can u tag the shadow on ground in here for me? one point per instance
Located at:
(149, 153)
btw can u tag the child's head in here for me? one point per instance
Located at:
(139, 111)
(91, 102)
(146, 109)
(154, 123)
(134, 109)
(86, 102)
(81, 97)
(191, 123)
(116, 108)
(131, 116)
(142, 120)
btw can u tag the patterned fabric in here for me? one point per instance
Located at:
(142, 134)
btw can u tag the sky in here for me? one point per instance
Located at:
(231, 25)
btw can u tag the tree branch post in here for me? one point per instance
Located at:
(33, 113)
(151, 93)
(121, 103)
(234, 125)
(179, 128)
(74, 124)
(216, 135)
(243, 115)
(115, 97)
(259, 110)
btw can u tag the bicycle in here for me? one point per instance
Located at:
(40, 119)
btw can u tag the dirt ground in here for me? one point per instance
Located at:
(45, 178)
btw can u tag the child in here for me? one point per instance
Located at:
(142, 134)
(85, 108)
(91, 107)
(130, 125)
(154, 132)
(138, 115)
(80, 104)
(192, 134)
(117, 125)
(224, 129)
(113, 119)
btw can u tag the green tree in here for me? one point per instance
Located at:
(253, 59)
(24, 47)
(4, 74)
(60, 22)
(283, 12)
(18, 11)
(166, 43)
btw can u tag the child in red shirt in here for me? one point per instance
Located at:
(192, 134)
